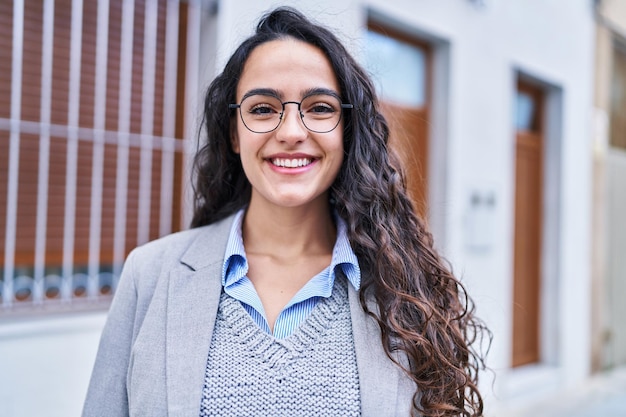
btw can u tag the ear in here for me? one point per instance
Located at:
(234, 139)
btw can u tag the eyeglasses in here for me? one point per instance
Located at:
(261, 113)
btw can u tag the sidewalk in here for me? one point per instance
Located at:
(604, 395)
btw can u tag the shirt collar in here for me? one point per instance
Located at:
(235, 265)
(344, 256)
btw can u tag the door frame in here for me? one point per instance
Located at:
(438, 212)
(550, 331)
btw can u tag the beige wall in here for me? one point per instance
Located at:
(614, 11)
(609, 202)
(616, 262)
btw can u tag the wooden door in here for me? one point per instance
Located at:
(528, 227)
(401, 65)
(409, 140)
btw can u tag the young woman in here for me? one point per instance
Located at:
(307, 285)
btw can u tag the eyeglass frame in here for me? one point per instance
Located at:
(282, 113)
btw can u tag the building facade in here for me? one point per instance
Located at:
(609, 199)
(490, 104)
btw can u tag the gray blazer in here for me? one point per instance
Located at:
(153, 351)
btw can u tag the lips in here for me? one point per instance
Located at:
(291, 162)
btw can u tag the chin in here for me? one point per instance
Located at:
(292, 202)
(299, 200)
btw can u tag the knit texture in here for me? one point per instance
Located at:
(313, 372)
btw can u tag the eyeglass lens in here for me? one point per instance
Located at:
(319, 112)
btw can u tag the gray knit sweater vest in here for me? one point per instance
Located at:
(312, 372)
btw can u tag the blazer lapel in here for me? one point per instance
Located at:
(193, 299)
(378, 376)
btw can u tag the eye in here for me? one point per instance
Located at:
(320, 106)
(320, 111)
(261, 110)
(262, 107)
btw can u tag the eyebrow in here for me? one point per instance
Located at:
(320, 90)
(275, 93)
(262, 91)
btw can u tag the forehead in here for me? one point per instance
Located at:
(289, 66)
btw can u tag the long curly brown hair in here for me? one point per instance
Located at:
(423, 311)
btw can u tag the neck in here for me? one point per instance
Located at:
(289, 231)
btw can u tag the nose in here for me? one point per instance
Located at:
(291, 128)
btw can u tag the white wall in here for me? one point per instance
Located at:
(45, 364)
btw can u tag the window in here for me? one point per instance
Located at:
(399, 69)
(91, 122)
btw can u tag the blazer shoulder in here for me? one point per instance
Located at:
(194, 248)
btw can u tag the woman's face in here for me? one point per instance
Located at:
(290, 166)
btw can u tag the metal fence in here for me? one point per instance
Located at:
(92, 115)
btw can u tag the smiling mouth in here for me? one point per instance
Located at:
(291, 163)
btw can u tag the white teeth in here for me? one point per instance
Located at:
(291, 163)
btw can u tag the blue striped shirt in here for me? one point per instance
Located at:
(237, 285)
